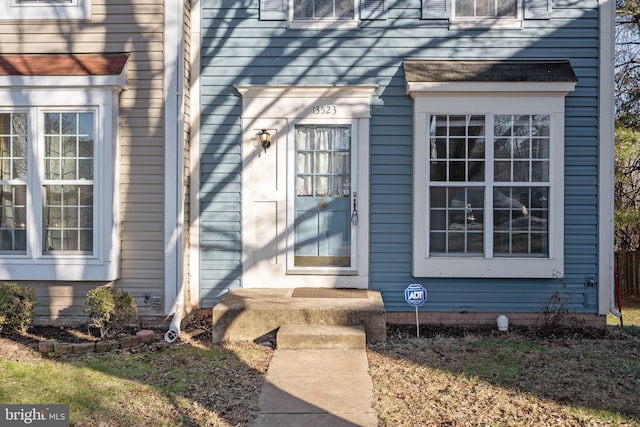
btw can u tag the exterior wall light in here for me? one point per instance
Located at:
(265, 139)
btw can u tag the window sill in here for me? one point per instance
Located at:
(323, 25)
(483, 24)
(61, 269)
(541, 268)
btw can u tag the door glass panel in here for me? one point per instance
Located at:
(322, 230)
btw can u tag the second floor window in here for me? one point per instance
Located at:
(486, 8)
(45, 10)
(320, 14)
(323, 9)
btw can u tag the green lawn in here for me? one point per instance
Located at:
(630, 313)
(510, 379)
(183, 385)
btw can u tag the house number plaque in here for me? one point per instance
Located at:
(324, 110)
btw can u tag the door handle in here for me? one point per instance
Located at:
(323, 204)
(354, 213)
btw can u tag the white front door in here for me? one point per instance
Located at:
(303, 221)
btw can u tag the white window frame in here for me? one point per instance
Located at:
(320, 24)
(37, 95)
(55, 10)
(488, 98)
(484, 22)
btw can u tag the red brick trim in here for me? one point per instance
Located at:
(62, 64)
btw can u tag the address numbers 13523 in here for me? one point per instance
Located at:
(324, 110)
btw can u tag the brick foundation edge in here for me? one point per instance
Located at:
(482, 319)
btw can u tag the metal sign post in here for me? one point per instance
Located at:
(415, 295)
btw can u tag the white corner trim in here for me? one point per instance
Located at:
(606, 152)
(173, 155)
(194, 156)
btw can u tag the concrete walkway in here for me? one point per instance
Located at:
(317, 387)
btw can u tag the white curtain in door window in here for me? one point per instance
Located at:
(322, 160)
(304, 164)
(323, 164)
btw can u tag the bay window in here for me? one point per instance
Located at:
(488, 181)
(58, 178)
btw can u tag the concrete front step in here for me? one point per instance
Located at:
(296, 337)
(248, 314)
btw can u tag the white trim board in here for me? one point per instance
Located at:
(606, 154)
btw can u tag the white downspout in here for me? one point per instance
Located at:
(174, 165)
(612, 302)
(607, 89)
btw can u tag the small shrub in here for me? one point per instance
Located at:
(557, 316)
(16, 306)
(110, 310)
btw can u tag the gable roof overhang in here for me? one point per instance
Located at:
(496, 76)
(62, 64)
(63, 70)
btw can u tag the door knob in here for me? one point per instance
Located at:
(323, 204)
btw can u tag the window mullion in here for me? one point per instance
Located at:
(34, 195)
(488, 188)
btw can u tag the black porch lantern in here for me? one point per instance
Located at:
(265, 139)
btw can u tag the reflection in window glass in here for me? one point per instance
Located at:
(457, 220)
(486, 8)
(69, 140)
(517, 188)
(68, 216)
(324, 9)
(13, 189)
(69, 171)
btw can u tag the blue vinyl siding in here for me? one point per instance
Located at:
(238, 48)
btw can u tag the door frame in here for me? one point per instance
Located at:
(278, 109)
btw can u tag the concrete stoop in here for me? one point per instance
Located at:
(296, 337)
(248, 314)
